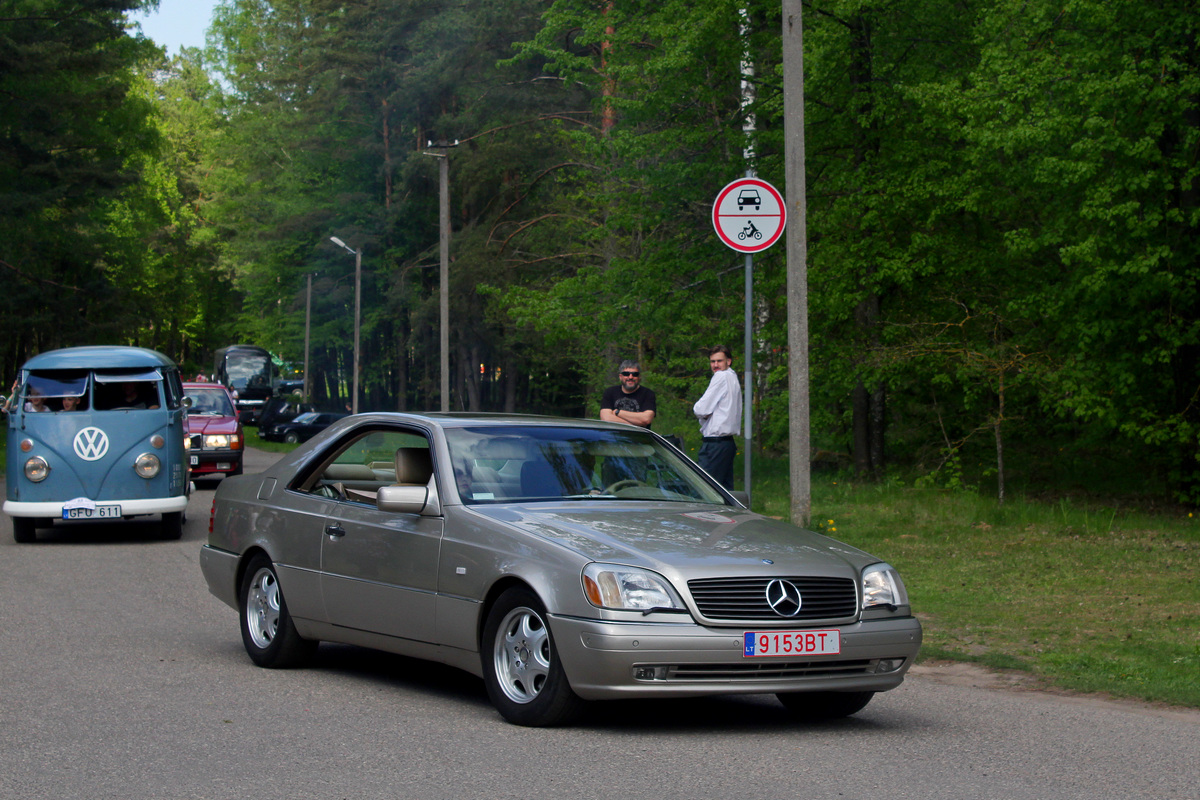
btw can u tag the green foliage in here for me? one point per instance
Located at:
(73, 137)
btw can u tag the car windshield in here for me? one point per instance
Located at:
(210, 402)
(523, 463)
(307, 418)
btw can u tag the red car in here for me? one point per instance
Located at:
(213, 430)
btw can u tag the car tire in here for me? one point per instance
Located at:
(820, 706)
(521, 668)
(172, 525)
(268, 633)
(291, 437)
(24, 530)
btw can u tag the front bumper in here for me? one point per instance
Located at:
(129, 508)
(609, 660)
(204, 462)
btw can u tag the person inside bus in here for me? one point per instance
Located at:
(35, 402)
(71, 402)
(133, 396)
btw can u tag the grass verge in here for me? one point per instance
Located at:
(252, 440)
(1088, 597)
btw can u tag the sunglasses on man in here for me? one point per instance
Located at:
(630, 374)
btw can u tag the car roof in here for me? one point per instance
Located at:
(456, 419)
(195, 385)
(99, 357)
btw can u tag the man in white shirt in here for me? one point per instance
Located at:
(720, 413)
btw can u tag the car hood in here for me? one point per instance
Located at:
(197, 423)
(691, 539)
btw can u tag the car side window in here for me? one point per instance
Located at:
(368, 461)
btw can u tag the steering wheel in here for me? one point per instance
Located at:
(625, 483)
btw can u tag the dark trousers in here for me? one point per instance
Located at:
(716, 458)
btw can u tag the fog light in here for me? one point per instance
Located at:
(888, 665)
(147, 465)
(649, 673)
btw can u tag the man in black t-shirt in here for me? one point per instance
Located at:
(629, 402)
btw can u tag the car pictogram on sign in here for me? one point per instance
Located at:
(747, 197)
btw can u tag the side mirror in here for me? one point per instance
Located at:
(402, 499)
(187, 402)
(742, 497)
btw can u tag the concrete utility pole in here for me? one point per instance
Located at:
(799, 443)
(444, 279)
(442, 154)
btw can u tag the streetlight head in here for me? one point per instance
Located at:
(342, 245)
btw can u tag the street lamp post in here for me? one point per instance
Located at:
(307, 327)
(357, 316)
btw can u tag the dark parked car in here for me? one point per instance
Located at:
(560, 560)
(278, 410)
(300, 429)
(216, 435)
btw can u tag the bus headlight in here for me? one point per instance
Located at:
(36, 469)
(147, 465)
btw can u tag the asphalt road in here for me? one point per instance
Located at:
(122, 677)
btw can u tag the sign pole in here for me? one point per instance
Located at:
(748, 354)
(749, 215)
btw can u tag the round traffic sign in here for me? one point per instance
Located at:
(749, 215)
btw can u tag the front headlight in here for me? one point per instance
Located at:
(36, 469)
(628, 588)
(882, 587)
(216, 442)
(147, 465)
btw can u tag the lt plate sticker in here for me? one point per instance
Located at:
(792, 643)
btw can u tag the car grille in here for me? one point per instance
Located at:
(768, 670)
(746, 598)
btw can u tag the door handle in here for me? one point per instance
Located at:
(334, 530)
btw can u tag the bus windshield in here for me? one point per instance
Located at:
(246, 369)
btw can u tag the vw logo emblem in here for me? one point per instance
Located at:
(91, 444)
(784, 598)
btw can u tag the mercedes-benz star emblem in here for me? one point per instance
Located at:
(784, 598)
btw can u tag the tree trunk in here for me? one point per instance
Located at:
(1000, 445)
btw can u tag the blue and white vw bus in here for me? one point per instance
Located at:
(97, 434)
